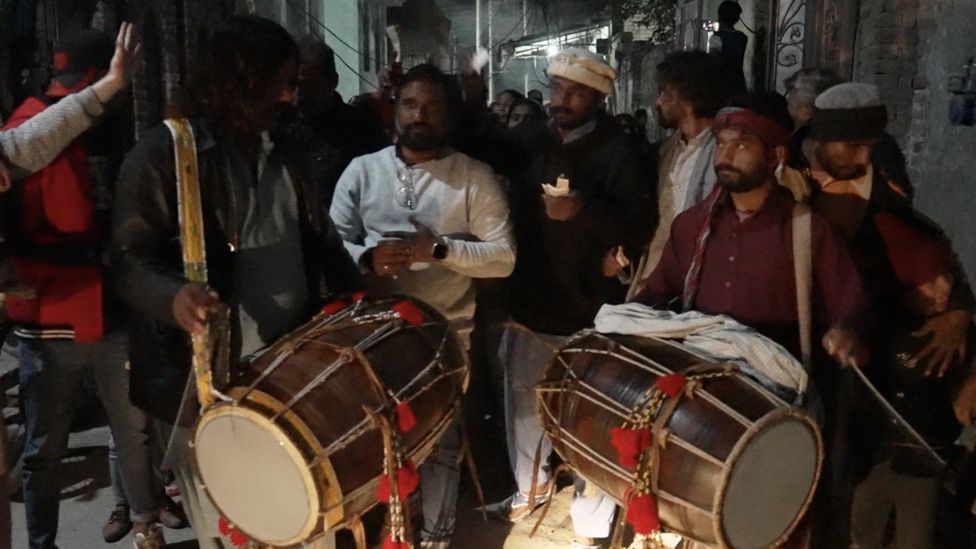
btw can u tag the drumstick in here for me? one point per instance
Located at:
(894, 413)
(190, 209)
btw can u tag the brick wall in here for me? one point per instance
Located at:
(886, 54)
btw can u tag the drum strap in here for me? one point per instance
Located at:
(803, 270)
(190, 207)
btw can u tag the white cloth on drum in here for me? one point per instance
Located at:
(718, 337)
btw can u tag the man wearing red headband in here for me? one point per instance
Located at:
(732, 254)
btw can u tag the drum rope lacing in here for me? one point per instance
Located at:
(639, 441)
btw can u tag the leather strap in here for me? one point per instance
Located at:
(803, 270)
(190, 209)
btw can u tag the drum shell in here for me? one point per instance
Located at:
(331, 427)
(593, 383)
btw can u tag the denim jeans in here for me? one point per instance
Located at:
(51, 374)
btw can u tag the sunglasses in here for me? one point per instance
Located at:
(405, 195)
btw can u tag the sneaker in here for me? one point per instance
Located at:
(516, 507)
(149, 536)
(171, 515)
(118, 524)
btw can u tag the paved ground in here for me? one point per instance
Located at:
(86, 496)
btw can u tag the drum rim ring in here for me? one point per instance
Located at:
(777, 415)
(311, 488)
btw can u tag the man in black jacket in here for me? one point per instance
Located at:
(271, 253)
(328, 132)
(580, 206)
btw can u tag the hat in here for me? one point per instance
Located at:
(584, 67)
(80, 56)
(848, 112)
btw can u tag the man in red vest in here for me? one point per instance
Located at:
(66, 330)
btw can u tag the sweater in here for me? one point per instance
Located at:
(457, 197)
(35, 143)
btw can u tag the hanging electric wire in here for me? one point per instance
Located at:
(318, 22)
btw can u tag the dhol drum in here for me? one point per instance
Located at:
(293, 452)
(736, 465)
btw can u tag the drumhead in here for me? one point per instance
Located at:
(771, 482)
(255, 475)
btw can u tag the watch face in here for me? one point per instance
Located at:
(439, 251)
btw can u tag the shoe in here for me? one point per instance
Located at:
(171, 515)
(118, 524)
(435, 544)
(149, 536)
(516, 507)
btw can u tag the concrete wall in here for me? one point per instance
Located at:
(941, 155)
(342, 18)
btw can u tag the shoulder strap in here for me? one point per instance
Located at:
(191, 235)
(803, 270)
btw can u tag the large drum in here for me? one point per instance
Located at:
(295, 452)
(737, 466)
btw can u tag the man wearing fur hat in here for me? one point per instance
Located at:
(580, 206)
(923, 305)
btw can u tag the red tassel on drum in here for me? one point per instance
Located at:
(409, 312)
(406, 420)
(359, 296)
(388, 543)
(334, 307)
(671, 384)
(223, 526)
(237, 538)
(629, 444)
(408, 479)
(642, 514)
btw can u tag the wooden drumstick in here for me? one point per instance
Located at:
(901, 421)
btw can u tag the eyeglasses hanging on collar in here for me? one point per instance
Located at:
(405, 194)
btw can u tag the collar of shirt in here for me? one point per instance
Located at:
(860, 186)
(778, 204)
(695, 143)
(579, 132)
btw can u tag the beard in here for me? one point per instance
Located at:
(420, 137)
(735, 180)
(837, 170)
(665, 121)
(565, 118)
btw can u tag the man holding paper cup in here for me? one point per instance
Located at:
(580, 206)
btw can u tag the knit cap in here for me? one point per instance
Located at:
(584, 67)
(848, 112)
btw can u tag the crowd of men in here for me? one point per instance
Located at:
(419, 189)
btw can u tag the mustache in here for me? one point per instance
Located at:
(558, 110)
(418, 125)
(727, 168)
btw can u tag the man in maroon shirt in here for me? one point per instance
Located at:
(733, 253)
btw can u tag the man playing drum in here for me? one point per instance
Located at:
(271, 255)
(733, 253)
(424, 220)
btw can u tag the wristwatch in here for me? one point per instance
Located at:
(439, 251)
